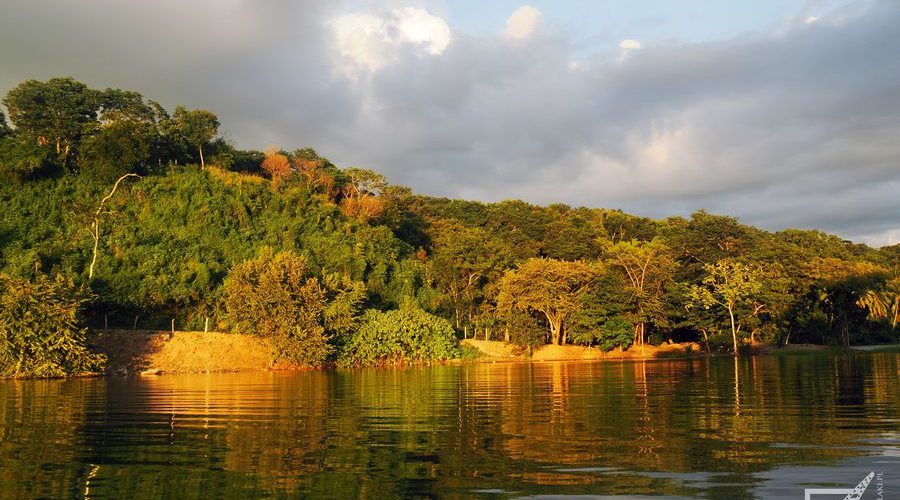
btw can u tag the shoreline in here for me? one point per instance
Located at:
(154, 352)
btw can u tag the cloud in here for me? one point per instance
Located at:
(629, 44)
(522, 22)
(369, 41)
(795, 128)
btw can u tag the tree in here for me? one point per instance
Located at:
(56, 113)
(362, 182)
(549, 286)
(118, 147)
(462, 260)
(277, 165)
(729, 284)
(198, 127)
(648, 268)
(523, 330)
(883, 304)
(278, 297)
(615, 331)
(314, 171)
(5, 131)
(838, 285)
(21, 157)
(42, 332)
(360, 194)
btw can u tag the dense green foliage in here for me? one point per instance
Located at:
(407, 335)
(513, 271)
(277, 296)
(41, 330)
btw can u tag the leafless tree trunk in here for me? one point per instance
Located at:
(95, 227)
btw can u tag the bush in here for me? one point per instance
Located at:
(41, 329)
(277, 296)
(525, 331)
(614, 332)
(408, 335)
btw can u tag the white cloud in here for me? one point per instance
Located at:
(626, 47)
(522, 22)
(630, 44)
(369, 41)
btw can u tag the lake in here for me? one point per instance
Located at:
(753, 427)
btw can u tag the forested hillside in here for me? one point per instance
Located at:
(295, 248)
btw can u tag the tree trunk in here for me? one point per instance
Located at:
(96, 235)
(733, 331)
(95, 231)
(202, 164)
(554, 331)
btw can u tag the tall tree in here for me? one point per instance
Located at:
(549, 286)
(648, 268)
(729, 284)
(198, 126)
(463, 260)
(839, 285)
(56, 113)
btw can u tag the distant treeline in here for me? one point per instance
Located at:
(336, 265)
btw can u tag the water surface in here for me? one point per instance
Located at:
(759, 427)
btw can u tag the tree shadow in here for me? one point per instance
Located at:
(128, 351)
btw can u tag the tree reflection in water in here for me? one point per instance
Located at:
(701, 427)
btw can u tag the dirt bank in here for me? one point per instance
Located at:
(494, 350)
(182, 352)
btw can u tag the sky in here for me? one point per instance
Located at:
(783, 113)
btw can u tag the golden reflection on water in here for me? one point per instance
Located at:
(580, 427)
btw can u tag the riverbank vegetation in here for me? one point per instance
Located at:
(336, 265)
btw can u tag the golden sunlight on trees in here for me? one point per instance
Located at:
(311, 170)
(648, 268)
(197, 126)
(883, 304)
(551, 287)
(277, 296)
(728, 284)
(42, 332)
(277, 165)
(360, 194)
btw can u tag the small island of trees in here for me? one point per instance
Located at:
(119, 214)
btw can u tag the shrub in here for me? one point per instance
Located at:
(41, 329)
(614, 332)
(525, 331)
(276, 296)
(408, 335)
